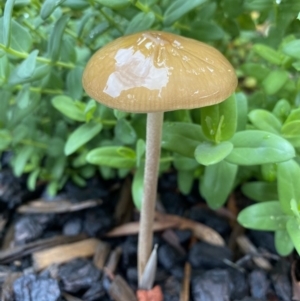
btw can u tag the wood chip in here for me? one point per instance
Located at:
(17, 252)
(171, 238)
(199, 230)
(119, 290)
(155, 294)
(64, 253)
(112, 262)
(133, 228)
(185, 289)
(70, 297)
(295, 282)
(7, 293)
(168, 221)
(124, 208)
(101, 254)
(60, 206)
(2, 222)
(8, 239)
(247, 247)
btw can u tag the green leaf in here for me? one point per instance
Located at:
(217, 183)
(27, 67)
(74, 83)
(242, 111)
(20, 132)
(259, 5)
(293, 116)
(67, 51)
(178, 8)
(56, 166)
(55, 40)
(207, 11)
(266, 216)
(260, 191)
(269, 172)
(283, 243)
(208, 153)
(219, 121)
(114, 4)
(140, 151)
(120, 114)
(259, 147)
(124, 132)
(83, 134)
(7, 17)
(182, 138)
(98, 30)
(293, 226)
(265, 121)
(90, 109)
(5, 139)
(231, 10)
(184, 163)
(39, 73)
(112, 156)
(68, 107)
(291, 129)
(296, 65)
(56, 147)
(137, 188)
(294, 208)
(4, 69)
(32, 179)
(288, 175)
(292, 49)
(185, 179)
(257, 71)
(275, 81)
(23, 98)
(21, 159)
(87, 171)
(20, 40)
(76, 4)
(140, 22)
(17, 116)
(48, 7)
(52, 188)
(282, 109)
(268, 53)
(79, 181)
(86, 18)
(204, 30)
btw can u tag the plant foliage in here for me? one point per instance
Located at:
(55, 132)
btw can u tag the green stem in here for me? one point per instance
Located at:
(112, 21)
(24, 55)
(41, 91)
(34, 143)
(159, 17)
(26, 141)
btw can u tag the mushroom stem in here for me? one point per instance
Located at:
(153, 140)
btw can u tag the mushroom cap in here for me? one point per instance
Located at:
(158, 71)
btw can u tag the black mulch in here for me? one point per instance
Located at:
(218, 273)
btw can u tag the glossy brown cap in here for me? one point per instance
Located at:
(158, 71)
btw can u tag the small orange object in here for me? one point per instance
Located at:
(154, 294)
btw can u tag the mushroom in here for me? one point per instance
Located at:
(153, 72)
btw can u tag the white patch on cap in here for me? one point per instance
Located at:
(134, 70)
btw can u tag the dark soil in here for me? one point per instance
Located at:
(217, 272)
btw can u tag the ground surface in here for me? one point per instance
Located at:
(48, 254)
